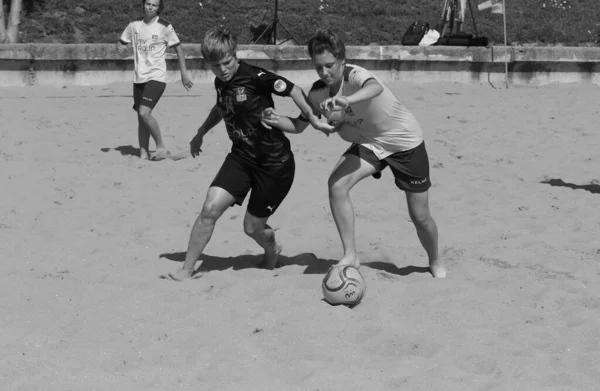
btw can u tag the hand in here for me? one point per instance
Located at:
(121, 48)
(269, 118)
(196, 144)
(336, 103)
(186, 81)
(322, 127)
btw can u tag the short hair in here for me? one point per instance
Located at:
(325, 40)
(160, 6)
(218, 43)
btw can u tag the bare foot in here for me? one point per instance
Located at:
(349, 261)
(270, 258)
(179, 276)
(437, 269)
(160, 154)
(144, 155)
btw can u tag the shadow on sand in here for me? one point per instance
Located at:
(126, 150)
(393, 269)
(312, 264)
(591, 187)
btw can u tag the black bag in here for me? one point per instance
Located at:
(415, 33)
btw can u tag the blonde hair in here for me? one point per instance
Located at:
(218, 43)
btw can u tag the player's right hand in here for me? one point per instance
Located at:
(196, 144)
(269, 117)
(121, 48)
(324, 127)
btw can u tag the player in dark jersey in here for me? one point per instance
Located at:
(260, 162)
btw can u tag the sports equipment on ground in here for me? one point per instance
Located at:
(343, 285)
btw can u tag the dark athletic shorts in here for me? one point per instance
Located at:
(147, 94)
(410, 168)
(267, 190)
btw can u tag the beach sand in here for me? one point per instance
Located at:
(87, 228)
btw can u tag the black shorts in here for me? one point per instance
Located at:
(147, 94)
(410, 168)
(268, 190)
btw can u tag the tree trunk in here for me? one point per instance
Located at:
(2, 25)
(14, 20)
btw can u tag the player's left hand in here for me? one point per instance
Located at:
(269, 118)
(186, 81)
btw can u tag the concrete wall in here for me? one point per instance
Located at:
(98, 64)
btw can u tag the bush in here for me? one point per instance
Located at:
(359, 22)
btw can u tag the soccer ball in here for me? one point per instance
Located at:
(335, 117)
(343, 285)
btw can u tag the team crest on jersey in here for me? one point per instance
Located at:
(280, 85)
(240, 94)
(155, 37)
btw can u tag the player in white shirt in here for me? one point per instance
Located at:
(150, 37)
(382, 132)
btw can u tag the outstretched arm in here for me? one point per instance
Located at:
(270, 118)
(370, 90)
(309, 112)
(185, 78)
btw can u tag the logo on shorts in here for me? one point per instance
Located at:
(240, 94)
(418, 181)
(349, 111)
(270, 208)
(280, 85)
(261, 73)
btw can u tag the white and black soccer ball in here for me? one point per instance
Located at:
(335, 117)
(343, 285)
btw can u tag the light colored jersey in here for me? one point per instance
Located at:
(381, 124)
(150, 42)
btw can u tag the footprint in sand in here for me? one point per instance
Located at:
(175, 156)
(385, 276)
(498, 263)
(545, 273)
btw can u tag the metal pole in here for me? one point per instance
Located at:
(276, 20)
(505, 45)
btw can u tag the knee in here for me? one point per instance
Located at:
(144, 113)
(421, 217)
(210, 213)
(337, 187)
(251, 229)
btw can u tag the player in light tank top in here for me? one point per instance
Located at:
(383, 134)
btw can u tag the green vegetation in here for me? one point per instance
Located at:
(359, 22)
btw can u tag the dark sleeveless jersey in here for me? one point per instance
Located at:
(242, 100)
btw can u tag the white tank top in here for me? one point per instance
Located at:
(381, 124)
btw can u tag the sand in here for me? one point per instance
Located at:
(86, 229)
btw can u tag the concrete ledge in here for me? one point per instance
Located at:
(96, 64)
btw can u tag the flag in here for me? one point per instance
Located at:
(497, 6)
